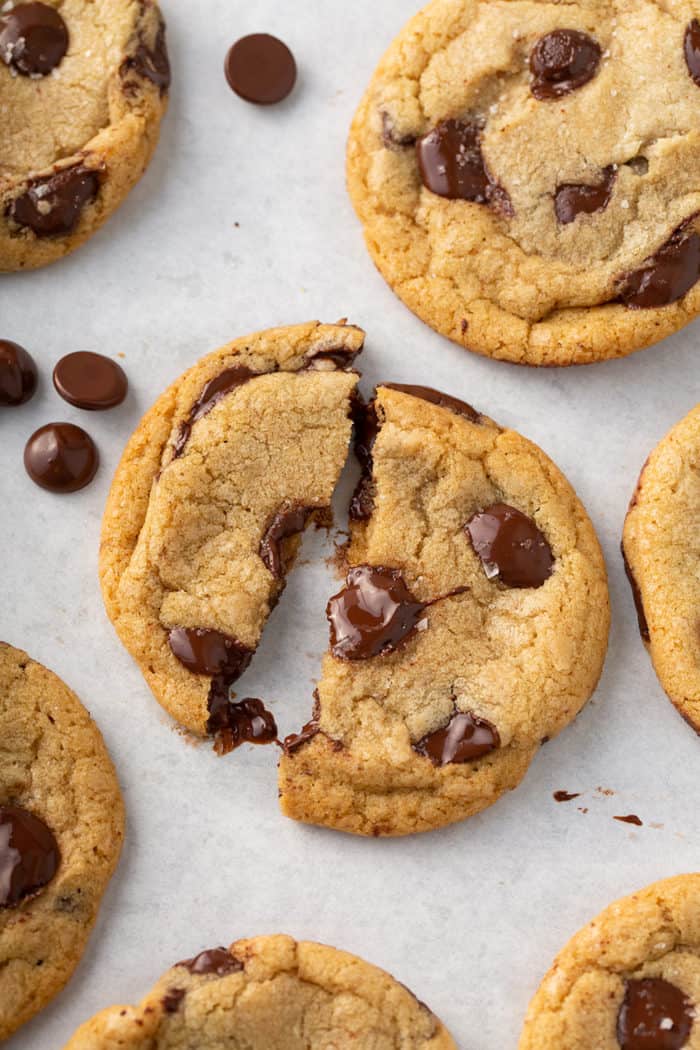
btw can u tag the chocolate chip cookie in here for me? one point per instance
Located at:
(527, 174)
(269, 992)
(61, 830)
(206, 508)
(662, 555)
(83, 88)
(472, 625)
(630, 980)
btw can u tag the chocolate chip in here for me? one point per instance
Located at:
(294, 741)
(61, 457)
(451, 162)
(261, 69)
(464, 739)
(242, 722)
(216, 389)
(90, 381)
(33, 39)
(435, 397)
(666, 276)
(655, 1015)
(53, 204)
(563, 61)
(638, 603)
(373, 614)
(209, 652)
(172, 999)
(390, 137)
(18, 374)
(29, 855)
(149, 63)
(215, 962)
(288, 521)
(510, 546)
(367, 426)
(573, 199)
(691, 46)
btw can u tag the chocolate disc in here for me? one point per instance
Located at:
(563, 61)
(33, 39)
(261, 69)
(18, 374)
(61, 457)
(52, 206)
(29, 855)
(90, 381)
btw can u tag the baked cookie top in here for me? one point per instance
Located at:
(269, 993)
(82, 89)
(527, 173)
(205, 511)
(472, 626)
(61, 830)
(630, 980)
(662, 551)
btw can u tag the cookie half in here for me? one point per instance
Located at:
(83, 88)
(527, 174)
(472, 626)
(662, 556)
(61, 831)
(207, 505)
(629, 980)
(265, 993)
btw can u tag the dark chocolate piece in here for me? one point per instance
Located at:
(172, 999)
(235, 723)
(391, 139)
(209, 652)
(511, 546)
(216, 389)
(573, 199)
(61, 457)
(691, 47)
(452, 165)
(464, 739)
(563, 61)
(436, 397)
(33, 39)
(18, 374)
(216, 962)
(367, 427)
(51, 206)
(90, 381)
(666, 276)
(655, 1015)
(29, 855)
(261, 69)
(638, 603)
(373, 614)
(288, 521)
(150, 63)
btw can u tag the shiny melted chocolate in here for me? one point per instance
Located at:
(511, 547)
(573, 199)
(288, 521)
(233, 723)
(666, 276)
(655, 1015)
(216, 962)
(51, 206)
(452, 165)
(563, 61)
(373, 614)
(216, 389)
(464, 739)
(29, 855)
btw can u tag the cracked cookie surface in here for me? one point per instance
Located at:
(61, 830)
(270, 993)
(206, 507)
(662, 551)
(473, 624)
(630, 979)
(75, 138)
(527, 174)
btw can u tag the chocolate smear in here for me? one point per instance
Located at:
(655, 1015)
(563, 61)
(574, 199)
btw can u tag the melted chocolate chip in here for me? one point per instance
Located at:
(261, 69)
(243, 722)
(631, 819)
(33, 39)
(373, 614)
(435, 397)
(149, 63)
(638, 603)
(691, 47)
(464, 739)
(172, 999)
(61, 457)
(216, 389)
(566, 796)
(574, 199)
(563, 61)
(510, 546)
(90, 381)
(29, 855)
(655, 1015)
(18, 374)
(367, 427)
(666, 276)
(288, 521)
(294, 741)
(209, 652)
(451, 162)
(53, 204)
(216, 962)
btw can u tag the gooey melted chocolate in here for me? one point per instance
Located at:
(655, 1015)
(217, 962)
(511, 547)
(373, 613)
(464, 739)
(52, 205)
(286, 522)
(452, 165)
(666, 276)
(29, 855)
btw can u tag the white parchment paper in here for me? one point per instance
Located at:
(241, 223)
